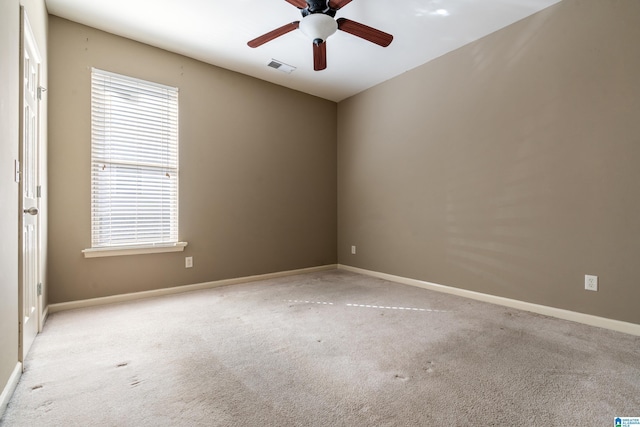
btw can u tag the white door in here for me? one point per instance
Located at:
(29, 209)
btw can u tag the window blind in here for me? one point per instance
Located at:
(134, 161)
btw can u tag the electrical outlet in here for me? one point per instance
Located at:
(353, 250)
(590, 282)
(188, 262)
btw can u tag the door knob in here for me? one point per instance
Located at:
(31, 211)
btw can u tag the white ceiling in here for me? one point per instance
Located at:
(217, 32)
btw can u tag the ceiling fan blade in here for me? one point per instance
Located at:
(300, 4)
(338, 4)
(259, 41)
(319, 56)
(363, 31)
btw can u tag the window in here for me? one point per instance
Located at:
(134, 166)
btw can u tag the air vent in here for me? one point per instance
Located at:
(281, 66)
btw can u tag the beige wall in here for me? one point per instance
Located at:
(9, 144)
(509, 167)
(257, 180)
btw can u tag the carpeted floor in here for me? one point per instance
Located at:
(323, 349)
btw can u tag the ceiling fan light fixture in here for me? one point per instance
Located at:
(318, 26)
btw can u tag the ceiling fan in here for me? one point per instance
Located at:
(318, 23)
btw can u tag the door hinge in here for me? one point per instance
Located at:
(39, 289)
(17, 170)
(39, 191)
(40, 91)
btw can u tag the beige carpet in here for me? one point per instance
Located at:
(323, 349)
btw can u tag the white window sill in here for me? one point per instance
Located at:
(134, 250)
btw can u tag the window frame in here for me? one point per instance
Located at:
(121, 163)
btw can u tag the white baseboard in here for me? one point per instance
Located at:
(43, 319)
(8, 390)
(53, 308)
(587, 319)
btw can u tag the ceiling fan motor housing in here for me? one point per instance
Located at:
(318, 6)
